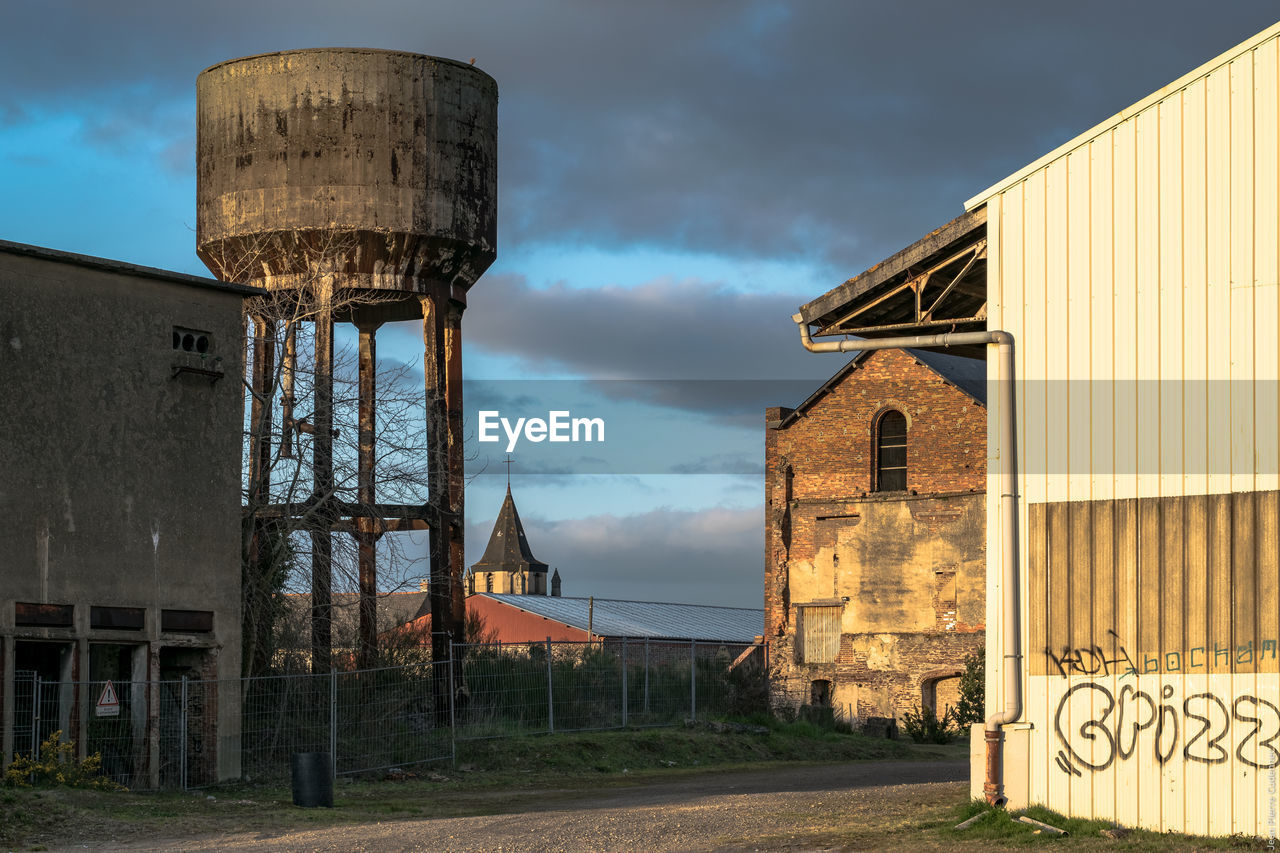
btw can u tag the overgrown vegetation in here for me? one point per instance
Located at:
(923, 725)
(57, 765)
(969, 707)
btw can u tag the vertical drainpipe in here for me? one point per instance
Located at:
(1010, 614)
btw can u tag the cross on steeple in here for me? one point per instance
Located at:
(508, 463)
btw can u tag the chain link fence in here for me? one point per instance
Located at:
(164, 734)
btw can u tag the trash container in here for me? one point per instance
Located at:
(312, 779)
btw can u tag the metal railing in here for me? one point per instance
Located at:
(167, 734)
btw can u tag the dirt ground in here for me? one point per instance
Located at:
(867, 805)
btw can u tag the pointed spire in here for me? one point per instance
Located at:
(508, 549)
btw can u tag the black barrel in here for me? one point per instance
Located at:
(312, 780)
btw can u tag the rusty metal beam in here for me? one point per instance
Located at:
(349, 510)
(900, 327)
(862, 309)
(979, 252)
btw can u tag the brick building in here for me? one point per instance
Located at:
(875, 540)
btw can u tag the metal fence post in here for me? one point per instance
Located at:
(453, 723)
(35, 717)
(693, 679)
(624, 682)
(333, 725)
(551, 705)
(646, 675)
(182, 731)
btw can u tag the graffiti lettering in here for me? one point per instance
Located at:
(1129, 697)
(1091, 660)
(1216, 754)
(1113, 727)
(1095, 661)
(1267, 743)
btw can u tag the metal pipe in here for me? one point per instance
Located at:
(1012, 668)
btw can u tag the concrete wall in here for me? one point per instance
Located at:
(119, 478)
(906, 570)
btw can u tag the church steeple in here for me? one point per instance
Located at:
(508, 564)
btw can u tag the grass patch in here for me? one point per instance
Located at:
(1000, 829)
(612, 752)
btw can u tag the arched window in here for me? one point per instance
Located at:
(891, 452)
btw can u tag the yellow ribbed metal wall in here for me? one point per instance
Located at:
(1137, 268)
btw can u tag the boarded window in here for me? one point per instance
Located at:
(891, 453)
(29, 614)
(819, 633)
(119, 618)
(186, 621)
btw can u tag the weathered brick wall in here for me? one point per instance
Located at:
(906, 568)
(877, 675)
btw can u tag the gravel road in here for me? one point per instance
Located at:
(785, 809)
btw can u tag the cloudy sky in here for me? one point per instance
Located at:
(675, 178)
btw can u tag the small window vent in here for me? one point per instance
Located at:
(192, 341)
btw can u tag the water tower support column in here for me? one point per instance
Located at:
(322, 486)
(457, 472)
(442, 362)
(368, 524)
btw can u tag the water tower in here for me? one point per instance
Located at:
(363, 183)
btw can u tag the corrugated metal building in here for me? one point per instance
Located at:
(1134, 270)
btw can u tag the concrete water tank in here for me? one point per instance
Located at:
(377, 166)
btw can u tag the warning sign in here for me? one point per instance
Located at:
(108, 702)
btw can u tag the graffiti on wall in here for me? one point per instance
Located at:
(1097, 727)
(1093, 660)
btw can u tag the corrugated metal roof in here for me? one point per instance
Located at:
(612, 618)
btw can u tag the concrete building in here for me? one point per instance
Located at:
(1133, 506)
(120, 447)
(875, 557)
